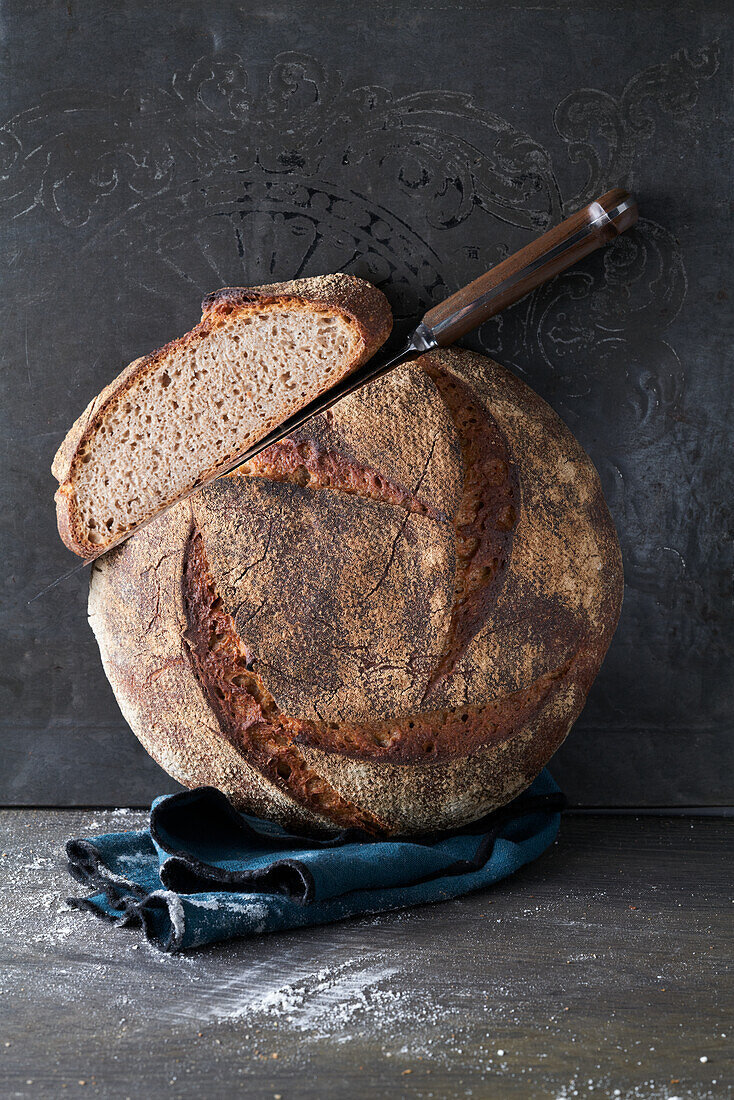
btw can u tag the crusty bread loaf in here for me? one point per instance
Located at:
(389, 620)
(176, 418)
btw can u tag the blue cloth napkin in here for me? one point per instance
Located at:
(202, 872)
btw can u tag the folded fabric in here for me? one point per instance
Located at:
(202, 872)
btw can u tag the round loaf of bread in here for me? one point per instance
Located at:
(388, 621)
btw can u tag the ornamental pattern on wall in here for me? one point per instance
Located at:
(219, 177)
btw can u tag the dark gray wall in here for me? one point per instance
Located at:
(153, 152)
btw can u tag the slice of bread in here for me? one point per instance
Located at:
(175, 419)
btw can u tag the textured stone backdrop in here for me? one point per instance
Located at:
(151, 153)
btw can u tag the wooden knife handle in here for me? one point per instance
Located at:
(536, 263)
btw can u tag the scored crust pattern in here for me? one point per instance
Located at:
(483, 526)
(249, 716)
(389, 621)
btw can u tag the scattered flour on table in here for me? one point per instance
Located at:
(34, 881)
(332, 998)
(325, 986)
(324, 1000)
(584, 1088)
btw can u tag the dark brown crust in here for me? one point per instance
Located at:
(521, 680)
(361, 303)
(247, 713)
(434, 736)
(307, 465)
(274, 743)
(485, 521)
(361, 581)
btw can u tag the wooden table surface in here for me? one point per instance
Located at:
(602, 970)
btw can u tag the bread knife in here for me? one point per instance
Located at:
(556, 250)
